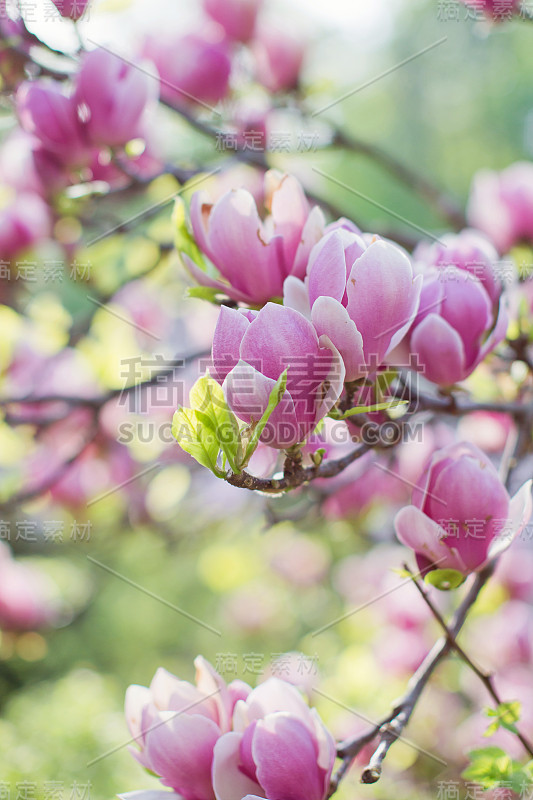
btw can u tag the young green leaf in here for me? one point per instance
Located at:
(207, 399)
(367, 409)
(194, 438)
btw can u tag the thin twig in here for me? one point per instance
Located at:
(409, 177)
(484, 677)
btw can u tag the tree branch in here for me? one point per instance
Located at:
(444, 206)
(484, 677)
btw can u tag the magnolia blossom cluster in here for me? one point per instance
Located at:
(196, 68)
(351, 304)
(228, 742)
(66, 135)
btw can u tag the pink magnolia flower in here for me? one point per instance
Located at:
(192, 68)
(461, 516)
(52, 117)
(278, 57)
(362, 296)
(254, 256)
(25, 221)
(73, 9)
(279, 748)
(496, 9)
(226, 742)
(177, 725)
(501, 205)
(112, 96)
(462, 315)
(251, 350)
(237, 17)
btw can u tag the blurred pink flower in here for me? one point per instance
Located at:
(278, 57)
(193, 68)
(47, 112)
(237, 17)
(495, 9)
(24, 222)
(501, 205)
(112, 96)
(28, 598)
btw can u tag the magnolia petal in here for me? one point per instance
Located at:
(229, 782)
(230, 329)
(200, 211)
(180, 750)
(275, 695)
(420, 533)
(248, 391)
(289, 209)
(296, 296)
(327, 268)
(332, 387)
(439, 349)
(137, 697)
(498, 332)
(381, 296)
(285, 754)
(520, 510)
(204, 279)
(312, 232)
(277, 337)
(415, 300)
(331, 319)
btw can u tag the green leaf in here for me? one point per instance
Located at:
(506, 715)
(203, 293)
(256, 429)
(444, 579)
(368, 409)
(208, 428)
(207, 399)
(183, 238)
(197, 440)
(491, 767)
(318, 456)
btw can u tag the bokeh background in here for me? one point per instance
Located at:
(132, 533)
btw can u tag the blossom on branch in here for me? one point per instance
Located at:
(501, 205)
(361, 295)
(237, 17)
(226, 742)
(461, 515)
(252, 349)
(254, 256)
(462, 315)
